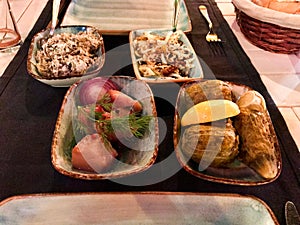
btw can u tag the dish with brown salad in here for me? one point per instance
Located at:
(106, 128)
(163, 56)
(71, 54)
(223, 133)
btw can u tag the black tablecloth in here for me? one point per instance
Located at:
(28, 112)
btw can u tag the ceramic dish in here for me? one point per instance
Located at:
(236, 172)
(195, 71)
(145, 208)
(67, 80)
(131, 160)
(120, 17)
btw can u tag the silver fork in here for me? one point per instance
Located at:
(211, 37)
(177, 4)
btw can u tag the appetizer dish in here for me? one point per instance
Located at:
(71, 54)
(223, 133)
(107, 128)
(163, 55)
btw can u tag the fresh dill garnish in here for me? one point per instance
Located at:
(68, 151)
(79, 131)
(102, 119)
(105, 102)
(133, 123)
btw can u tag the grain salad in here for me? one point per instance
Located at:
(68, 54)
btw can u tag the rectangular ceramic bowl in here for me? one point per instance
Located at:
(236, 173)
(121, 17)
(131, 161)
(195, 73)
(136, 208)
(65, 81)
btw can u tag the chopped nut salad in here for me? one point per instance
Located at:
(68, 54)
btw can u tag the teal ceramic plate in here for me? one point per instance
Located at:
(136, 208)
(122, 16)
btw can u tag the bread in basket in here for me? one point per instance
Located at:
(287, 6)
(273, 25)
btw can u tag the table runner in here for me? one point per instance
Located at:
(28, 112)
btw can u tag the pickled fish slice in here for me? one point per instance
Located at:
(257, 142)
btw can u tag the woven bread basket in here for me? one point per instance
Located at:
(268, 29)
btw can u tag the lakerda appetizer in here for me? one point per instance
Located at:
(93, 154)
(106, 120)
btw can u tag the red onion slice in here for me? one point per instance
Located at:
(92, 90)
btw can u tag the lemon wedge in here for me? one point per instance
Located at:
(209, 111)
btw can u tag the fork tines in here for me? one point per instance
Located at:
(217, 48)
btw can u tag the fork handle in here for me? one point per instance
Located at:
(204, 12)
(55, 11)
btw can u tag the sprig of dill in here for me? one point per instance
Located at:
(134, 123)
(105, 102)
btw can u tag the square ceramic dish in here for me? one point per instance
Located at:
(131, 161)
(70, 79)
(235, 172)
(190, 59)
